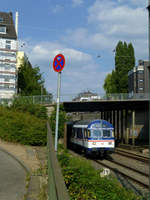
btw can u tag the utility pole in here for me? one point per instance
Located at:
(148, 7)
(16, 27)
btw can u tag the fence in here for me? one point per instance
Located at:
(49, 99)
(56, 185)
(38, 99)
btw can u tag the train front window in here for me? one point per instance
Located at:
(106, 133)
(95, 133)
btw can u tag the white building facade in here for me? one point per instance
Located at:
(8, 50)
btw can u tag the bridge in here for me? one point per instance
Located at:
(129, 116)
(128, 113)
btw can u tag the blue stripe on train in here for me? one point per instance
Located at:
(112, 138)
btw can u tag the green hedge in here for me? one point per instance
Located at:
(22, 127)
(84, 182)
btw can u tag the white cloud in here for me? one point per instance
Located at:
(77, 2)
(111, 22)
(141, 3)
(48, 50)
(114, 19)
(79, 73)
(57, 8)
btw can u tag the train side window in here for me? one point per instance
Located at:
(89, 133)
(85, 133)
(79, 133)
(73, 133)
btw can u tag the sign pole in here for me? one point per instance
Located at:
(58, 65)
(57, 111)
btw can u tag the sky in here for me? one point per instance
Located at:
(85, 31)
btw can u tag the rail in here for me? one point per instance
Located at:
(51, 99)
(56, 185)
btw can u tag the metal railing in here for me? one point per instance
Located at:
(118, 96)
(38, 99)
(50, 99)
(56, 186)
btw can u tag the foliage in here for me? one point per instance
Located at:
(30, 81)
(34, 109)
(117, 81)
(109, 86)
(62, 119)
(22, 127)
(84, 182)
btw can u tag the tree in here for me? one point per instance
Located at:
(117, 82)
(109, 84)
(30, 81)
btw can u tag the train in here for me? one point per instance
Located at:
(94, 137)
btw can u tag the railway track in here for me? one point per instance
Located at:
(132, 155)
(129, 173)
(129, 177)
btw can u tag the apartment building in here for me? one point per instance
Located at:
(139, 78)
(8, 50)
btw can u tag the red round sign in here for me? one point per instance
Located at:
(58, 63)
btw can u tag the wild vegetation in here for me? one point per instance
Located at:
(25, 126)
(84, 182)
(62, 119)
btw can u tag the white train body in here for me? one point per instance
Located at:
(93, 136)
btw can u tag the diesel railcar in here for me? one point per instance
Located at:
(94, 137)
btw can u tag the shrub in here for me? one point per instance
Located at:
(62, 119)
(27, 106)
(22, 127)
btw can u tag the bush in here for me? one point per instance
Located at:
(27, 106)
(62, 119)
(22, 127)
(84, 182)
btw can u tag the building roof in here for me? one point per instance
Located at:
(7, 21)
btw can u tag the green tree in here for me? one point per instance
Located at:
(30, 80)
(109, 83)
(117, 82)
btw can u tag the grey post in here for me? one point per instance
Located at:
(57, 111)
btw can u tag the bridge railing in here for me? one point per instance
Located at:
(37, 99)
(101, 97)
(56, 185)
(49, 99)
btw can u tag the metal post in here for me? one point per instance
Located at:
(57, 111)
(149, 85)
(133, 127)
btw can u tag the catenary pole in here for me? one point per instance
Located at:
(149, 84)
(57, 111)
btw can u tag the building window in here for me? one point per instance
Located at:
(1, 19)
(2, 29)
(7, 79)
(141, 80)
(140, 71)
(8, 44)
(140, 88)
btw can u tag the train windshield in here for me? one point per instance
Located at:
(96, 133)
(106, 133)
